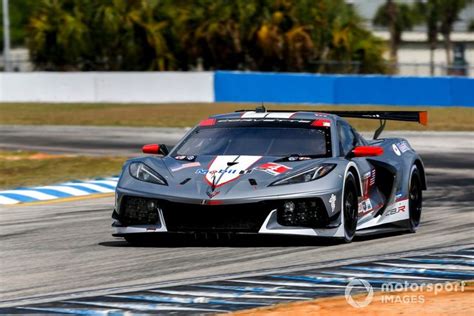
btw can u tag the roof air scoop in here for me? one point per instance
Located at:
(260, 109)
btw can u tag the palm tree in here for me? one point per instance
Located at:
(58, 35)
(450, 14)
(398, 17)
(129, 36)
(283, 40)
(100, 35)
(339, 36)
(431, 13)
(212, 31)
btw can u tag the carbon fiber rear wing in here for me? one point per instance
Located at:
(407, 116)
(383, 116)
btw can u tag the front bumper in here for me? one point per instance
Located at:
(262, 217)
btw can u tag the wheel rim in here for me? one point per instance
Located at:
(350, 214)
(415, 201)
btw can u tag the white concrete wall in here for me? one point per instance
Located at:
(142, 87)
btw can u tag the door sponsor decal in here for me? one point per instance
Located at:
(396, 150)
(403, 146)
(365, 207)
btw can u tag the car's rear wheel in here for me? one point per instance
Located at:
(414, 199)
(350, 208)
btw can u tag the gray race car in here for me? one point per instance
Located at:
(275, 172)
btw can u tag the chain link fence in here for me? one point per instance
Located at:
(425, 69)
(23, 64)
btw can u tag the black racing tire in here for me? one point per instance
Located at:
(350, 208)
(415, 199)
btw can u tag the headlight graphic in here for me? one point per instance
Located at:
(308, 175)
(142, 172)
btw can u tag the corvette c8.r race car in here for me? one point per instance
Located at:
(275, 172)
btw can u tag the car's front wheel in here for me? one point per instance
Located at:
(414, 199)
(350, 208)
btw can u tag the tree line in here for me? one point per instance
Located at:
(264, 35)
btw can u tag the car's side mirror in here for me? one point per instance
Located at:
(155, 149)
(367, 151)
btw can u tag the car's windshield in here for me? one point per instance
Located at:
(259, 141)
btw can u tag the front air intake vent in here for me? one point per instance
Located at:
(139, 211)
(180, 217)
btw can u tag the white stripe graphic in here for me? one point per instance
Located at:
(427, 266)
(286, 115)
(5, 200)
(68, 190)
(228, 295)
(253, 114)
(33, 194)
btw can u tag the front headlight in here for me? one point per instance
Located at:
(142, 172)
(308, 175)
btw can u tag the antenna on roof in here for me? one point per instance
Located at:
(260, 109)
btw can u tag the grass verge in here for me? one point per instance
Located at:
(29, 168)
(184, 115)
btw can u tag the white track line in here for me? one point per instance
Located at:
(227, 295)
(428, 266)
(381, 276)
(144, 307)
(288, 283)
(453, 255)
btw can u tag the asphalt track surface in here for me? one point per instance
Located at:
(65, 249)
(409, 270)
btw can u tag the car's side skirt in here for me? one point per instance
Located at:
(395, 212)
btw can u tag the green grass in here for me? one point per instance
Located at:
(184, 115)
(29, 169)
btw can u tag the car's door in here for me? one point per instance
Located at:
(348, 140)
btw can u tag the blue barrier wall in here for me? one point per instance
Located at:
(257, 87)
